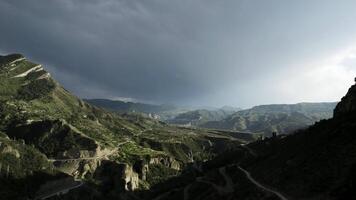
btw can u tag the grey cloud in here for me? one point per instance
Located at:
(186, 52)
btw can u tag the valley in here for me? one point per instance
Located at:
(177, 100)
(67, 148)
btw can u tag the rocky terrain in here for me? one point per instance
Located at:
(49, 135)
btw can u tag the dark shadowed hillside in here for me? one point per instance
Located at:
(316, 163)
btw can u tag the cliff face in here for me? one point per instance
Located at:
(117, 177)
(166, 161)
(347, 104)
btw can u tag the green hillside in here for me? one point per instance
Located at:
(62, 133)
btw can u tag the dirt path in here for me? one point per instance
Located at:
(186, 191)
(86, 158)
(165, 194)
(248, 175)
(59, 192)
(229, 185)
(75, 159)
(252, 152)
(222, 190)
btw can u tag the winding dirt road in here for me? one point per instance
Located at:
(222, 190)
(249, 177)
(60, 191)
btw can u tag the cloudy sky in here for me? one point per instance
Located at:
(189, 52)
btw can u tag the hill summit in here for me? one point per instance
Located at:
(348, 103)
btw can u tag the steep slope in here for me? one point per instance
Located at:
(77, 138)
(23, 169)
(316, 163)
(347, 104)
(279, 118)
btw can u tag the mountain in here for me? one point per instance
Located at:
(161, 112)
(199, 117)
(52, 141)
(279, 118)
(316, 163)
(55, 146)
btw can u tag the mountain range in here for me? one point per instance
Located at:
(263, 119)
(278, 118)
(168, 113)
(54, 145)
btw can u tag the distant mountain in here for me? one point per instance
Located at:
(161, 112)
(279, 118)
(199, 117)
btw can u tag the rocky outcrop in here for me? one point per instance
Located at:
(118, 177)
(67, 148)
(166, 161)
(79, 163)
(129, 177)
(55, 138)
(7, 149)
(347, 104)
(77, 168)
(121, 177)
(142, 168)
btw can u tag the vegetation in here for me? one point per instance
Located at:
(159, 173)
(42, 123)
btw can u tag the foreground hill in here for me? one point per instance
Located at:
(49, 131)
(279, 118)
(316, 163)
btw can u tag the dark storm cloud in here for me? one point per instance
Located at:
(187, 52)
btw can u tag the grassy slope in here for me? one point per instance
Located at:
(22, 169)
(37, 109)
